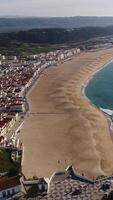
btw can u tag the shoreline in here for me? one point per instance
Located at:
(45, 106)
(90, 78)
(109, 121)
(88, 82)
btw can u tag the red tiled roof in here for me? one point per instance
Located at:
(12, 113)
(6, 120)
(7, 182)
(2, 124)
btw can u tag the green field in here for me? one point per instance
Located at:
(25, 49)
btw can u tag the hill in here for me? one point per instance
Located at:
(55, 36)
(25, 23)
(38, 40)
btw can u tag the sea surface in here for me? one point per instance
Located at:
(100, 88)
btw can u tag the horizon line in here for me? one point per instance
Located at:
(27, 16)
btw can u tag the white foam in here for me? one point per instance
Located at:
(107, 111)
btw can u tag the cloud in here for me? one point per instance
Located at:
(56, 7)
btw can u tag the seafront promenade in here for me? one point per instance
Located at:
(66, 129)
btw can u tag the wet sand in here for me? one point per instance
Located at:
(62, 127)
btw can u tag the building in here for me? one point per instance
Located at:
(9, 187)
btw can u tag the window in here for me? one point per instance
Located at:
(8, 193)
(4, 194)
(13, 191)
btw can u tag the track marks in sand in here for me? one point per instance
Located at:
(80, 135)
(68, 97)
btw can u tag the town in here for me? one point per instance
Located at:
(17, 75)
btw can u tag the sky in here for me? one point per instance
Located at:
(50, 8)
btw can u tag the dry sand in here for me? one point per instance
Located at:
(62, 127)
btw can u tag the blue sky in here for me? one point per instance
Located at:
(56, 7)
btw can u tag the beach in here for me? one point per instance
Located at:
(62, 128)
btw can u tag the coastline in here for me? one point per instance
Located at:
(110, 123)
(90, 102)
(90, 78)
(68, 109)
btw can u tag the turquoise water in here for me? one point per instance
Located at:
(100, 88)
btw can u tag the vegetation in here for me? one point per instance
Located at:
(38, 40)
(13, 171)
(55, 36)
(6, 165)
(24, 49)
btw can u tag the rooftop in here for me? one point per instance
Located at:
(8, 182)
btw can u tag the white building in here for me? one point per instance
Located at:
(78, 50)
(3, 57)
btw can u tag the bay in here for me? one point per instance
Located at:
(100, 88)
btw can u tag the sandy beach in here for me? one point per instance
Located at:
(62, 128)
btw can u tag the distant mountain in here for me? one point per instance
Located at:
(25, 23)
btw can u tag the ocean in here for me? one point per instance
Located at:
(100, 88)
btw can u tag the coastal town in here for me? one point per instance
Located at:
(56, 100)
(17, 76)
